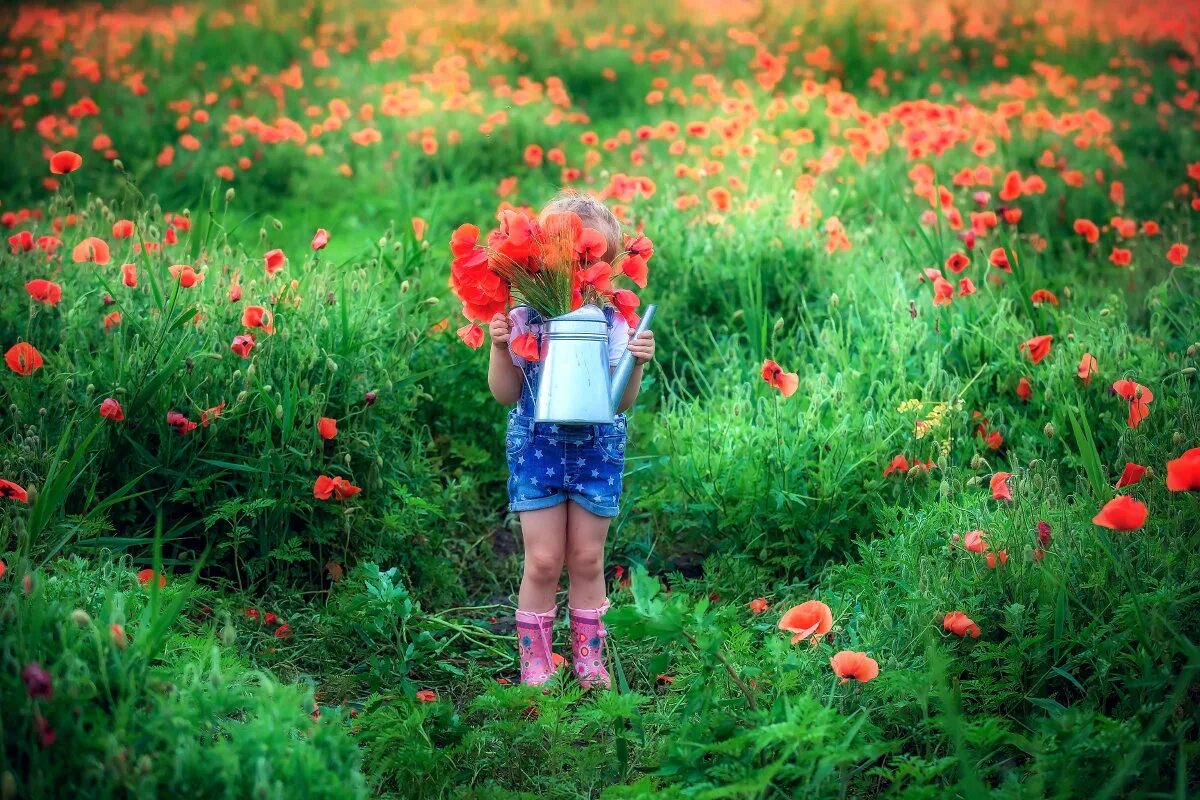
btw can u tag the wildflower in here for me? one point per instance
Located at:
(45, 733)
(1122, 513)
(973, 541)
(526, 346)
(427, 696)
(129, 275)
(145, 576)
(1024, 391)
(898, 464)
(758, 605)
(273, 260)
(957, 262)
(320, 239)
(326, 487)
(1139, 398)
(122, 229)
(186, 276)
(1087, 368)
(1120, 256)
(966, 287)
(112, 320)
(471, 334)
(283, 632)
(23, 358)
(1131, 475)
(116, 632)
(242, 345)
(65, 162)
(785, 382)
(91, 249)
(1183, 473)
(1088, 230)
(960, 624)
(848, 664)
(418, 226)
(209, 415)
(992, 558)
(180, 423)
(1000, 488)
(1177, 253)
(38, 684)
(258, 317)
(44, 291)
(999, 259)
(12, 491)
(327, 427)
(1040, 296)
(812, 618)
(1038, 347)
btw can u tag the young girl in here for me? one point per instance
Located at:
(564, 480)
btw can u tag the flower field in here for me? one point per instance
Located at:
(912, 494)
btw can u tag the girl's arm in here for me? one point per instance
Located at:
(504, 377)
(642, 348)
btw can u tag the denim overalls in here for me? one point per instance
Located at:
(549, 464)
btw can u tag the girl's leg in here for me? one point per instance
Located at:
(545, 534)
(586, 533)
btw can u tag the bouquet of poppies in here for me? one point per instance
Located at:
(554, 266)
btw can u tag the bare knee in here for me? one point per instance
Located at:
(543, 567)
(585, 562)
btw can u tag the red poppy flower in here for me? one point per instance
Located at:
(111, 409)
(112, 320)
(1120, 256)
(960, 624)
(590, 246)
(1139, 398)
(1087, 229)
(12, 491)
(186, 276)
(1038, 347)
(1183, 473)
(38, 683)
(1122, 513)
(283, 632)
(1177, 253)
(1000, 488)
(273, 261)
(258, 317)
(598, 276)
(471, 334)
(974, 542)
(943, 291)
(144, 577)
(210, 415)
(418, 226)
(898, 464)
(122, 229)
(21, 242)
(999, 259)
(320, 239)
(526, 346)
(327, 427)
(1131, 475)
(1043, 296)
(65, 162)
(1024, 391)
(957, 262)
(91, 249)
(811, 618)
(626, 303)
(427, 696)
(965, 287)
(242, 345)
(1087, 368)
(180, 423)
(785, 382)
(23, 358)
(326, 487)
(44, 291)
(129, 275)
(993, 558)
(758, 605)
(640, 249)
(848, 664)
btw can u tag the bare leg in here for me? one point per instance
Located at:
(586, 533)
(545, 535)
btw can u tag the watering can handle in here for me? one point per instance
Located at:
(624, 368)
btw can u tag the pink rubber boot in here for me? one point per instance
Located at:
(535, 639)
(587, 646)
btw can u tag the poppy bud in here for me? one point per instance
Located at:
(1177, 439)
(1188, 371)
(778, 325)
(1049, 430)
(370, 397)
(228, 634)
(978, 462)
(33, 494)
(944, 490)
(1191, 351)
(229, 193)
(249, 372)
(331, 365)
(433, 301)
(279, 412)
(1104, 312)
(737, 314)
(346, 458)
(107, 299)
(267, 387)
(262, 235)
(119, 165)
(973, 481)
(81, 618)
(91, 387)
(241, 397)
(145, 764)
(116, 632)
(425, 244)
(834, 300)
(379, 461)
(404, 287)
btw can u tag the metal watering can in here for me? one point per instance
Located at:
(576, 387)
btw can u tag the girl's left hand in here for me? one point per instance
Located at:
(642, 347)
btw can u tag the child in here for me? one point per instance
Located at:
(564, 481)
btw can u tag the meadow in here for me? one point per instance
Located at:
(253, 537)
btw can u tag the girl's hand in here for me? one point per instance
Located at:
(500, 329)
(642, 347)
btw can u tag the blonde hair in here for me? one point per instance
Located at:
(593, 213)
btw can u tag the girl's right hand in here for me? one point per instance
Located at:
(500, 329)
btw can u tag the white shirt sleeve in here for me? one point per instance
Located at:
(618, 339)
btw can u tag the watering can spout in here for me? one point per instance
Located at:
(624, 368)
